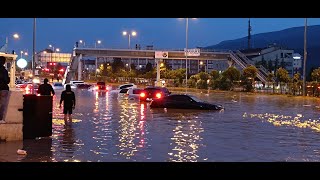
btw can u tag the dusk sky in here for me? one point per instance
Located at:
(164, 33)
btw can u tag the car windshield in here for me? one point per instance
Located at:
(196, 99)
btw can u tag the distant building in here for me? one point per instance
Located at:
(277, 57)
(47, 55)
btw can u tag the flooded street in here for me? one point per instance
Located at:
(251, 128)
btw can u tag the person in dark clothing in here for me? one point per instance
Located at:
(4, 88)
(69, 103)
(45, 88)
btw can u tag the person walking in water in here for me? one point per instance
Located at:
(69, 103)
(45, 88)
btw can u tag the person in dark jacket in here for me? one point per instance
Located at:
(45, 88)
(69, 103)
(4, 88)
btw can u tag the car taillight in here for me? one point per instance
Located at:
(158, 95)
(142, 95)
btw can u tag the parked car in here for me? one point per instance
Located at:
(124, 86)
(183, 101)
(123, 94)
(154, 92)
(101, 86)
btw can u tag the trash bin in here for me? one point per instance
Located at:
(37, 116)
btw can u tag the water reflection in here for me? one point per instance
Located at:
(68, 143)
(287, 120)
(186, 136)
(131, 129)
(251, 128)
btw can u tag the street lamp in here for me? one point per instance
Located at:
(305, 58)
(82, 42)
(186, 50)
(15, 36)
(97, 42)
(51, 47)
(33, 52)
(133, 33)
(58, 50)
(95, 46)
(21, 53)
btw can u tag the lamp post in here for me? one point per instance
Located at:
(133, 33)
(33, 51)
(305, 58)
(15, 36)
(95, 46)
(186, 50)
(82, 42)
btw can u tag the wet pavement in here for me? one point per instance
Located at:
(108, 129)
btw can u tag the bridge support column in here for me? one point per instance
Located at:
(79, 67)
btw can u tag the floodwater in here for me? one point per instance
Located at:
(109, 129)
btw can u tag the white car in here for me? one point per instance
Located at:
(132, 94)
(124, 86)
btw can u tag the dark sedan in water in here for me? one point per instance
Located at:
(182, 101)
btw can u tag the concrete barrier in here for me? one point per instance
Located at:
(11, 130)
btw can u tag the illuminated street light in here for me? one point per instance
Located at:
(58, 50)
(133, 33)
(16, 36)
(95, 46)
(82, 42)
(187, 27)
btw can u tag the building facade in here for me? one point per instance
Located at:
(277, 57)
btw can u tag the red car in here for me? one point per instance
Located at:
(153, 92)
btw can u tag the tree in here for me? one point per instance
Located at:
(276, 64)
(315, 75)
(148, 67)
(215, 74)
(232, 74)
(249, 74)
(117, 65)
(270, 67)
(296, 83)
(133, 67)
(283, 64)
(282, 76)
(263, 62)
(270, 79)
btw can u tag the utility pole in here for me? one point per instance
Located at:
(249, 34)
(33, 52)
(305, 58)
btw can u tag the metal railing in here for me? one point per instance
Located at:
(243, 63)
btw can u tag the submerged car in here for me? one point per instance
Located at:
(153, 92)
(183, 101)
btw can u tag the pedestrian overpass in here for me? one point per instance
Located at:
(236, 57)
